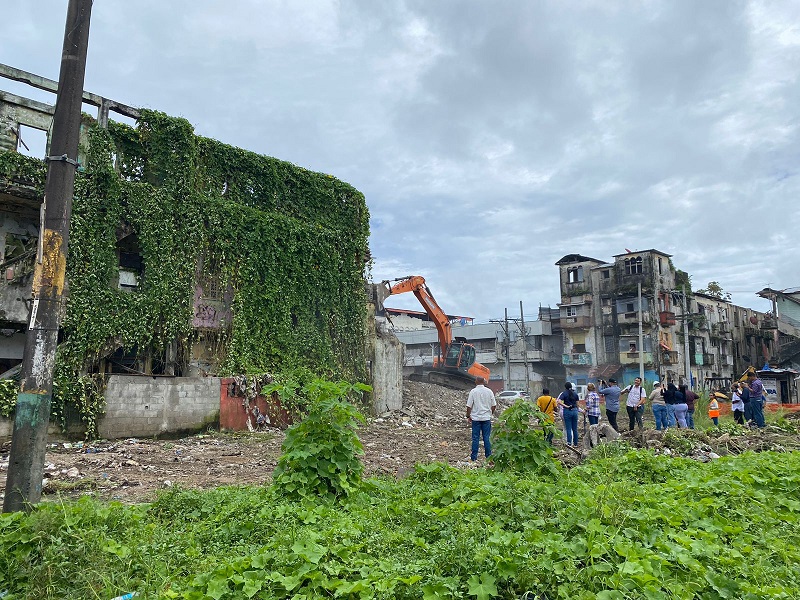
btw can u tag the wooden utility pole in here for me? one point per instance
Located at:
(32, 417)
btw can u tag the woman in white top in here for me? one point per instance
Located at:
(737, 405)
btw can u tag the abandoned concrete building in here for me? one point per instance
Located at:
(600, 314)
(188, 259)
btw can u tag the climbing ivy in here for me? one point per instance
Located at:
(289, 245)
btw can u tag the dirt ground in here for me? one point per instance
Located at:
(431, 427)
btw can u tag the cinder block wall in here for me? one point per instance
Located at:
(150, 406)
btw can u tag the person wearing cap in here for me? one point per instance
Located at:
(659, 406)
(611, 394)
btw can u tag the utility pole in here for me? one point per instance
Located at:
(507, 345)
(525, 348)
(641, 335)
(29, 438)
(686, 361)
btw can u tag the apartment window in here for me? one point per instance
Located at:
(579, 348)
(575, 275)
(629, 307)
(608, 344)
(659, 266)
(606, 274)
(633, 265)
(572, 311)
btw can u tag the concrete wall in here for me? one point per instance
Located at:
(387, 371)
(148, 406)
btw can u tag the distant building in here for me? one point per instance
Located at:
(600, 316)
(539, 350)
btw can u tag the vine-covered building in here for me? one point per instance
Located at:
(187, 256)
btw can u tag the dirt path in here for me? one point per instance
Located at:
(431, 427)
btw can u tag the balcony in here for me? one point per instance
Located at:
(666, 318)
(581, 358)
(579, 322)
(632, 358)
(669, 357)
(632, 317)
(769, 323)
(700, 359)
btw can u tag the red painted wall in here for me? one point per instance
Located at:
(234, 415)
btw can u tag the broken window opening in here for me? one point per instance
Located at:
(130, 264)
(31, 141)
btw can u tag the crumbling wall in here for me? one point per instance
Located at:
(385, 354)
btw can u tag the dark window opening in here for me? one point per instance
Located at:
(131, 266)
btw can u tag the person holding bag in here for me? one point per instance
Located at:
(637, 396)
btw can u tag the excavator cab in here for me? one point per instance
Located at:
(460, 355)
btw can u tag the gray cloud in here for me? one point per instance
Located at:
(490, 139)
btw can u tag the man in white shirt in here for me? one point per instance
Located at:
(480, 408)
(637, 396)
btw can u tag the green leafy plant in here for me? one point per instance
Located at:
(321, 454)
(8, 396)
(519, 440)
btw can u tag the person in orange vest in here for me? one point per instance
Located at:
(713, 410)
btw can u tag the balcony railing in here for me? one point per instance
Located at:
(581, 358)
(628, 358)
(579, 322)
(702, 358)
(667, 318)
(633, 317)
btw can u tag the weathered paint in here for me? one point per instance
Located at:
(27, 409)
(50, 273)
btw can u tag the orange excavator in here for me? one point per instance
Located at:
(455, 365)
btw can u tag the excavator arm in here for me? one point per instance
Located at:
(416, 285)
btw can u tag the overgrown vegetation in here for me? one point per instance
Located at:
(322, 454)
(519, 440)
(286, 246)
(630, 526)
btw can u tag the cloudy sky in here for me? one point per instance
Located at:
(489, 138)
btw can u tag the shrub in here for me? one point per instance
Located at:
(519, 445)
(321, 454)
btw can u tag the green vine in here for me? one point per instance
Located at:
(289, 246)
(8, 396)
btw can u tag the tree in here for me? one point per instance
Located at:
(715, 289)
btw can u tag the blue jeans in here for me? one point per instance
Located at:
(571, 425)
(594, 419)
(680, 414)
(481, 429)
(660, 414)
(757, 408)
(690, 418)
(670, 415)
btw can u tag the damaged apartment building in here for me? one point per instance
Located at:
(684, 337)
(188, 259)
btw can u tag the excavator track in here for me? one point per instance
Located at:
(451, 381)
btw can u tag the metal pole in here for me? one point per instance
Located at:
(507, 345)
(525, 348)
(29, 438)
(686, 362)
(641, 335)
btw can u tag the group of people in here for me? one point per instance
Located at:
(672, 406)
(747, 401)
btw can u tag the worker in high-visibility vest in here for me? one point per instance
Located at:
(713, 410)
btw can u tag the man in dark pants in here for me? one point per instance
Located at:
(481, 405)
(756, 389)
(611, 393)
